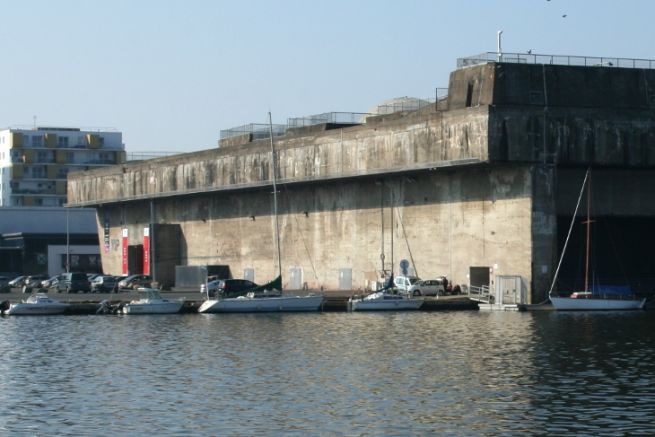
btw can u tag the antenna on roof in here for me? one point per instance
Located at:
(500, 48)
(34, 118)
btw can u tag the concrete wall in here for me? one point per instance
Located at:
(445, 220)
(416, 141)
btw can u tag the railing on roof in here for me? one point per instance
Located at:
(258, 131)
(140, 156)
(408, 104)
(530, 58)
(328, 117)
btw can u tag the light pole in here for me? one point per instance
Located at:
(68, 252)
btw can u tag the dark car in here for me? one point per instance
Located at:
(50, 282)
(104, 283)
(135, 281)
(73, 282)
(229, 286)
(18, 281)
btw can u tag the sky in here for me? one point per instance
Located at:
(171, 74)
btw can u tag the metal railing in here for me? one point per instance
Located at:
(407, 104)
(328, 117)
(258, 131)
(140, 156)
(531, 58)
(480, 294)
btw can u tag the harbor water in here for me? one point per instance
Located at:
(411, 373)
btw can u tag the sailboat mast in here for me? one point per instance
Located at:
(273, 171)
(568, 235)
(588, 223)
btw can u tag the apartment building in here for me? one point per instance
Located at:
(34, 163)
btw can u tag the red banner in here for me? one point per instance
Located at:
(146, 251)
(124, 245)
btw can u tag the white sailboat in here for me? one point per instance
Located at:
(269, 297)
(587, 300)
(384, 300)
(388, 298)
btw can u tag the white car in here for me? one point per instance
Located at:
(417, 287)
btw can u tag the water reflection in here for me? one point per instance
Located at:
(333, 373)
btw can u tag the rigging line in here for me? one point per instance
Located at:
(575, 213)
(411, 257)
(302, 237)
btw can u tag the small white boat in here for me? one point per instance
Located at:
(590, 302)
(384, 301)
(38, 304)
(252, 303)
(152, 303)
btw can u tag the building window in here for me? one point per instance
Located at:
(62, 141)
(37, 141)
(38, 172)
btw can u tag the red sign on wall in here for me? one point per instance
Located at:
(124, 245)
(146, 251)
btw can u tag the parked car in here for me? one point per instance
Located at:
(135, 281)
(33, 281)
(17, 281)
(50, 282)
(417, 287)
(73, 282)
(103, 284)
(229, 286)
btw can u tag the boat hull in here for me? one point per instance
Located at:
(262, 304)
(591, 304)
(30, 309)
(385, 305)
(153, 308)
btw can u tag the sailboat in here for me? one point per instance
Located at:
(589, 300)
(388, 298)
(267, 297)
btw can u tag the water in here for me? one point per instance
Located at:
(454, 373)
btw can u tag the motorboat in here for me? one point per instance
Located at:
(152, 303)
(384, 301)
(38, 304)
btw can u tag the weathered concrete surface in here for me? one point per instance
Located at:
(480, 183)
(418, 141)
(445, 221)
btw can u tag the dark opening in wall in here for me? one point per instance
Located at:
(469, 95)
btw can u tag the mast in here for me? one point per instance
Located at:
(568, 235)
(587, 244)
(273, 170)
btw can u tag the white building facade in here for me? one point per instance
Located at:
(34, 163)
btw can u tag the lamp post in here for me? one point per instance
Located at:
(68, 252)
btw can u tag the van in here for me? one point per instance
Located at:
(73, 282)
(416, 287)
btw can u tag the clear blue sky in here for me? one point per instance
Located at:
(171, 74)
